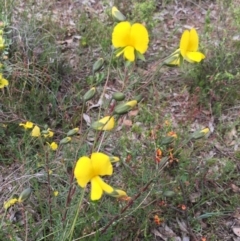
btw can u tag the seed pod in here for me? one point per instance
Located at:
(98, 65)
(118, 96)
(25, 194)
(89, 94)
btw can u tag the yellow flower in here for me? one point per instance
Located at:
(10, 203)
(105, 124)
(3, 82)
(53, 146)
(55, 193)
(189, 46)
(130, 38)
(27, 125)
(90, 169)
(36, 132)
(48, 133)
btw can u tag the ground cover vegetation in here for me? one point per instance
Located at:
(119, 120)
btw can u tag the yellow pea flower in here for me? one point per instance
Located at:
(10, 203)
(55, 193)
(27, 125)
(130, 38)
(48, 133)
(189, 46)
(53, 146)
(3, 82)
(90, 170)
(36, 131)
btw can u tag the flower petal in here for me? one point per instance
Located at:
(96, 189)
(193, 40)
(105, 187)
(139, 37)
(194, 56)
(121, 34)
(101, 164)
(83, 171)
(129, 53)
(184, 42)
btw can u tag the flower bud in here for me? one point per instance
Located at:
(25, 194)
(125, 107)
(105, 124)
(65, 140)
(118, 96)
(118, 193)
(114, 159)
(73, 131)
(98, 65)
(89, 94)
(175, 59)
(117, 14)
(199, 134)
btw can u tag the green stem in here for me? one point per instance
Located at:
(76, 216)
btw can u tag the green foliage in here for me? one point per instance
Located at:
(167, 166)
(216, 79)
(143, 12)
